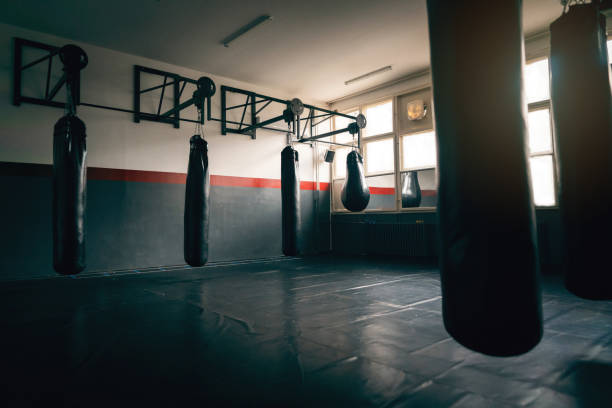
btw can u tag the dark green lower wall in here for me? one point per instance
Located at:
(139, 225)
(415, 234)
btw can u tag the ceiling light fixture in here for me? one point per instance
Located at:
(368, 75)
(244, 29)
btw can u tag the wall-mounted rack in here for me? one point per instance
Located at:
(301, 126)
(292, 114)
(51, 52)
(178, 84)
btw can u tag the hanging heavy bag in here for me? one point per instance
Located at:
(197, 194)
(582, 116)
(69, 195)
(411, 190)
(70, 173)
(488, 256)
(355, 193)
(290, 191)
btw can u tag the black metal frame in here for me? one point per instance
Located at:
(178, 84)
(250, 127)
(18, 68)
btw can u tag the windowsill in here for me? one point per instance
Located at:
(417, 210)
(402, 211)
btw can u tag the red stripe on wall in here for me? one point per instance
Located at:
(142, 176)
(382, 190)
(100, 173)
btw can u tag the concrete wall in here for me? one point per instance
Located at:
(136, 189)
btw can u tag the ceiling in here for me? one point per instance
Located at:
(309, 49)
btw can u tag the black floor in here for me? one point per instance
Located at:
(306, 332)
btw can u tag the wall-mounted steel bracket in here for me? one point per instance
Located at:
(292, 114)
(205, 89)
(50, 92)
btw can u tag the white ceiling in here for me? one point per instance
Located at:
(309, 49)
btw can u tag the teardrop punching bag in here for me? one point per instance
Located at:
(290, 192)
(488, 254)
(411, 190)
(582, 116)
(69, 174)
(197, 194)
(355, 193)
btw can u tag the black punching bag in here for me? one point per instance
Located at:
(197, 193)
(488, 253)
(582, 116)
(355, 193)
(290, 191)
(411, 190)
(69, 195)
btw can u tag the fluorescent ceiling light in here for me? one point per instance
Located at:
(368, 75)
(242, 30)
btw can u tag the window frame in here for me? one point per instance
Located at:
(361, 108)
(536, 106)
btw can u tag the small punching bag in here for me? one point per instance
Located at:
(411, 190)
(69, 174)
(582, 116)
(355, 193)
(290, 191)
(488, 254)
(197, 193)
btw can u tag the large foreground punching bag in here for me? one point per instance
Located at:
(69, 195)
(488, 254)
(290, 191)
(355, 193)
(197, 193)
(582, 114)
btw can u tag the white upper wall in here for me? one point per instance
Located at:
(114, 140)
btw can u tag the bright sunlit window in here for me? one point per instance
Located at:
(537, 81)
(540, 135)
(610, 51)
(342, 123)
(379, 156)
(379, 119)
(419, 151)
(543, 180)
(340, 162)
(541, 148)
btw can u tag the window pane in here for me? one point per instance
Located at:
(419, 150)
(382, 192)
(536, 81)
(341, 123)
(322, 128)
(610, 51)
(379, 156)
(542, 179)
(540, 139)
(379, 119)
(340, 162)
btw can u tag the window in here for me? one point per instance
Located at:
(379, 156)
(340, 162)
(378, 151)
(610, 51)
(380, 119)
(419, 151)
(537, 81)
(340, 122)
(541, 151)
